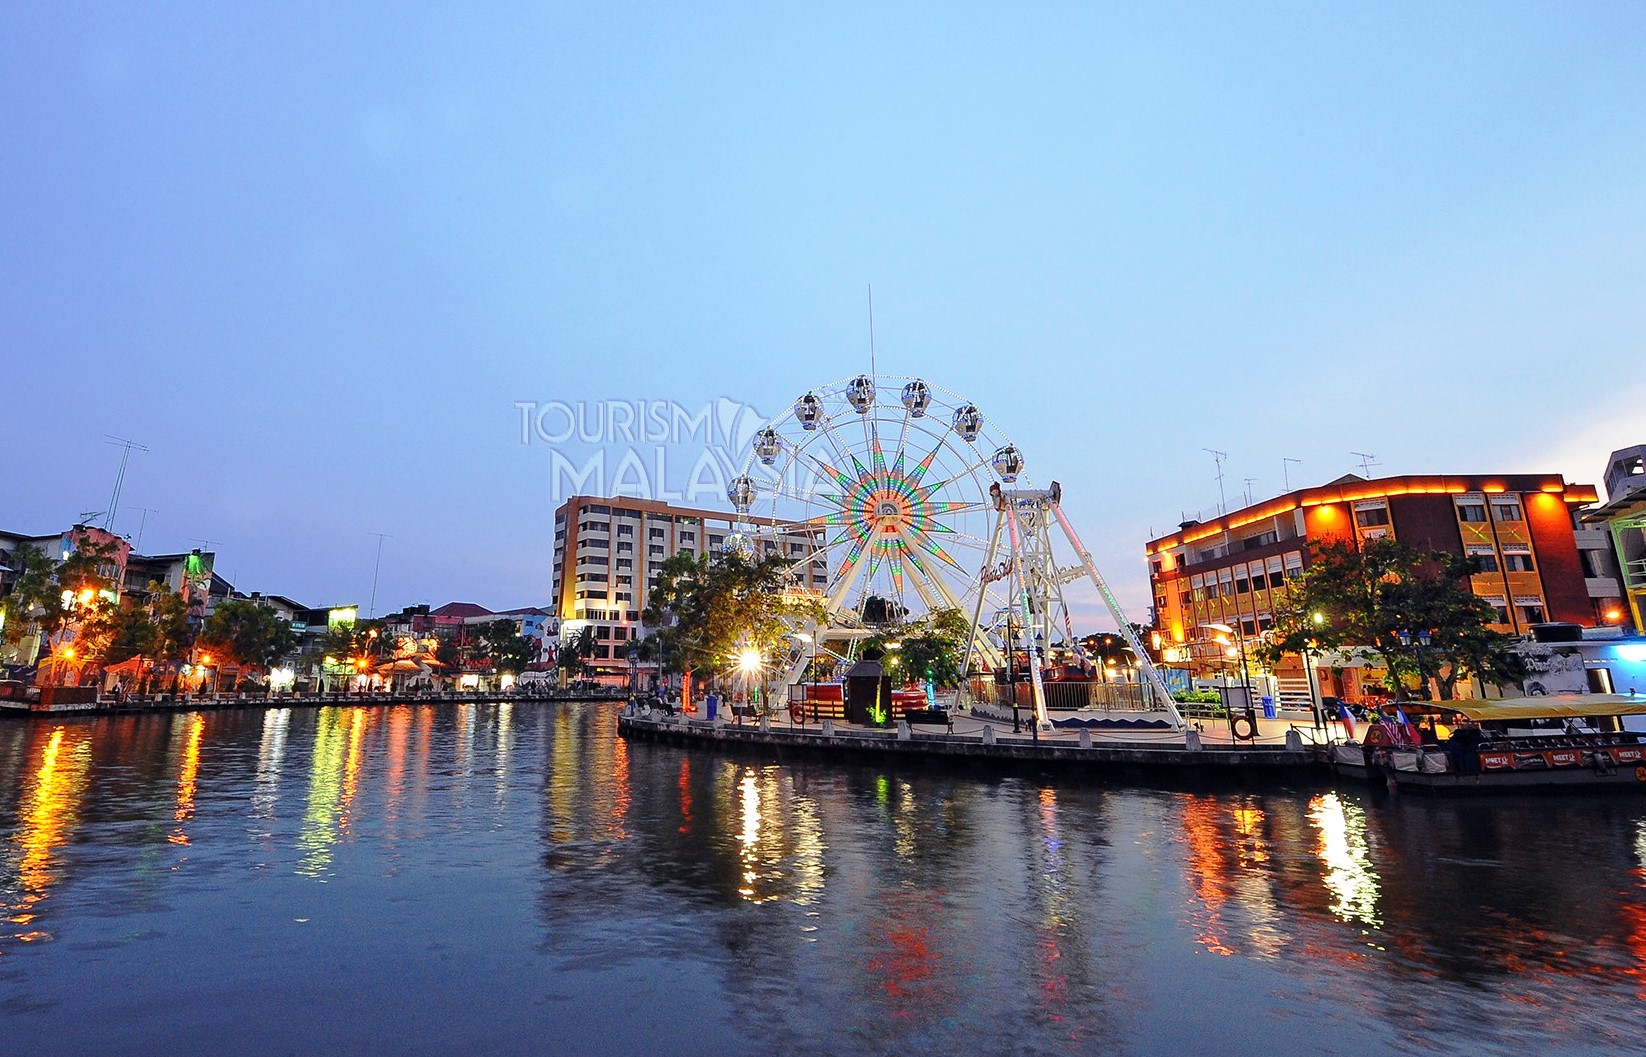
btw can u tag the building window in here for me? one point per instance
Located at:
(1376, 515)
(1262, 539)
(1472, 513)
(1531, 614)
(654, 552)
(1506, 510)
(625, 530)
(657, 533)
(1484, 563)
(1517, 563)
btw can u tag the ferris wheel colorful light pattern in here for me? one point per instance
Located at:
(886, 512)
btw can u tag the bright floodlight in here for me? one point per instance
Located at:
(748, 660)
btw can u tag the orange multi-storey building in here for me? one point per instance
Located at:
(1518, 528)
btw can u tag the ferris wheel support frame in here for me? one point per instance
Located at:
(1052, 500)
(1041, 719)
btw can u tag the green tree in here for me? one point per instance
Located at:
(448, 652)
(169, 618)
(35, 601)
(115, 634)
(1360, 602)
(500, 644)
(575, 653)
(930, 648)
(708, 609)
(251, 635)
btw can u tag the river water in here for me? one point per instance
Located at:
(515, 879)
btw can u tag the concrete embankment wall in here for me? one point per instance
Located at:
(1152, 763)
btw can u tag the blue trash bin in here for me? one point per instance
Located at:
(1268, 707)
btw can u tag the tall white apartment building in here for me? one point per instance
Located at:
(606, 551)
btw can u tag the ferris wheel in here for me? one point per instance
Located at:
(891, 479)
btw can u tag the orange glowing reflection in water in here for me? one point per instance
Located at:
(685, 786)
(52, 809)
(620, 794)
(1208, 871)
(187, 776)
(351, 769)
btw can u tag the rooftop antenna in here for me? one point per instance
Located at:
(871, 330)
(1286, 476)
(371, 607)
(1218, 457)
(1249, 481)
(144, 520)
(1366, 462)
(119, 478)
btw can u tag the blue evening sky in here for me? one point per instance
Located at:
(312, 255)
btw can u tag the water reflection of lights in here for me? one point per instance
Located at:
(351, 768)
(270, 755)
(751, 834)
(620, 796)
(505, 747)
(51, 809)
(1343, 850)
(399, 724)
(807, 825)
(684, 784)
(1054, 980)
(187, 775)
(565, 764)
(1228, 848)
(318, 833)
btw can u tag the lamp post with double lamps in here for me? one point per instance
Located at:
(1417, 642)
(1245, 674)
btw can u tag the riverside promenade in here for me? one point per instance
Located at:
(110, 704)
(1282, 751)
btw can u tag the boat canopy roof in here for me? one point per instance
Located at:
(1551, 706)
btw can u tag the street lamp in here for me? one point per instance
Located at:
(809, 681)
(749, 663)
(1245, 675)
(1421, 639)
(1316, 705)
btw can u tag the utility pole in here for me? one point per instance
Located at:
(1249, 481)
(1218, 457)
(371, 607)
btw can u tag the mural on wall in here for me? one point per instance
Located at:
(1553, 670)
